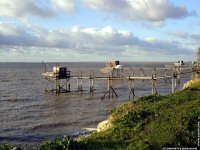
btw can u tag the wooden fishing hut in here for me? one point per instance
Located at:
(114, 69)
(58, 79)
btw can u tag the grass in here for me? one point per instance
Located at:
(152, 122)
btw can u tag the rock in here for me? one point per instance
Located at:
(104, 125)
(189, 83)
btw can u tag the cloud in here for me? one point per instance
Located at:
(156, 11)
(65, 5)
(196, 36)
(25, 8)
(141, 10)
(102, 42)
(152, 25)
(179, 34)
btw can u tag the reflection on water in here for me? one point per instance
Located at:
(28, 114)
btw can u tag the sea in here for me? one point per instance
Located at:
(29, 115)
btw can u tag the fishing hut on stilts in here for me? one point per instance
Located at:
(57, 80)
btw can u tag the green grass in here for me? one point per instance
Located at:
(152, 122)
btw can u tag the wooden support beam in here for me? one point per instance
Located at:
(131, 90)
(154, 91)
(173, 76)
(109, 90)
(91, 83)
(178, 80)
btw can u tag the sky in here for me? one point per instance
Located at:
(99, 30)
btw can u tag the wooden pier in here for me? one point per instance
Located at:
(59, 79)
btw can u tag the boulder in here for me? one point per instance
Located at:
(189, 83)
(104, 125)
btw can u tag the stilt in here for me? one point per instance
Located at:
(91, 83)
(109, 90)
(165, 75)
(154, 91)
(142, 73)
(69, 90)
(108, 87)
(173, 75)
(131, 89)
(179, 76)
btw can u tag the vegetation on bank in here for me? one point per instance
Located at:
(153, 122)
(57, 144)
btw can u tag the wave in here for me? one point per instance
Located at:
(16, 99)
(51, 126)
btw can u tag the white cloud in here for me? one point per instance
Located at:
(135, 10)
(25, 8)
(142, 10)
(102, 42)
(65, 5)
(39, 8)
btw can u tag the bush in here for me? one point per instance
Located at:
(58, 144)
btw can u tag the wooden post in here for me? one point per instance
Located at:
(57, 86)
(197, 70)
(81, 82)
(131, 89)
(132, 85)
(142, 73)
(178, 81)
(69, 90)
(132, 72)
(175, 83)
(154, 92)
(66, 90)
(78, 81)
(173, 80)
(165, 75)
(108, 86)
(91, 82)
(56, 83)
(122, 72)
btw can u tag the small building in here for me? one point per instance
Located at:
(58, 79)
(61, 72)
(112, 63)
(113, 68)
(193, 62)
(179, 63)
